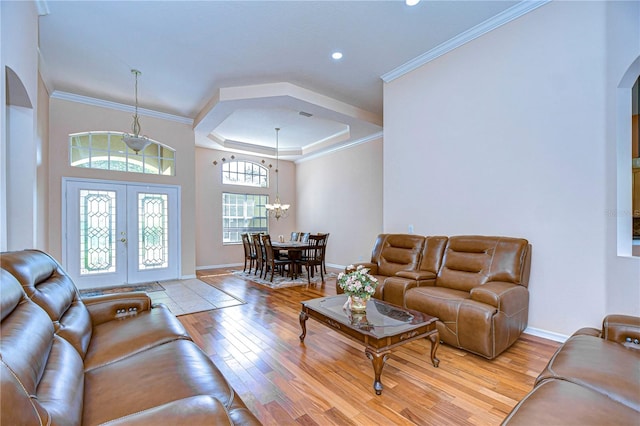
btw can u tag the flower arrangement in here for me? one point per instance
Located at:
(358, 282)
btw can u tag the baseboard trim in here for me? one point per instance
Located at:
(550, 335)
(228, 265)
(188, 277)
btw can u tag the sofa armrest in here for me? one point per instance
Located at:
(373, 268)
(624, 329)
(588, 331)
(115, 306)
(507, 297)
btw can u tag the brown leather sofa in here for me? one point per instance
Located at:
(475, 285)
(117, 359)
(592, 379)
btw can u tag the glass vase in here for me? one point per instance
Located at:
(357, 303)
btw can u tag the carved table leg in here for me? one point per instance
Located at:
(303, 323)
(378, 360)
(435, 342)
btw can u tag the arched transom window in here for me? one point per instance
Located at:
(107, 151)
(245, 173)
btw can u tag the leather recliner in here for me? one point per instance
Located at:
(113, 359)
(592, 379)
(480, 294)
(391, 254)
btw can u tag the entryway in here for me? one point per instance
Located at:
(119, 233)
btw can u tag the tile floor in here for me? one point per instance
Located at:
(192, 295)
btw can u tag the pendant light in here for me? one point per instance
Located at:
(277, 209)
(135, 141)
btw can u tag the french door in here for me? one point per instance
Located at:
(119, 233)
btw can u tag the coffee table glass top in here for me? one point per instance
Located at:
(381, 319)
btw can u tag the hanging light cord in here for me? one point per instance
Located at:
(136, 122)
(277, 163)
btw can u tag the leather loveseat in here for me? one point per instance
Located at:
(475, 285)
(116, 359)
(592, 379)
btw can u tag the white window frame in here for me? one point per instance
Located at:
(248, 214)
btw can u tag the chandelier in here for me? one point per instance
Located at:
(135, 141)
(277, 209)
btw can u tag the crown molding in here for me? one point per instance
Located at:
(119, 107)
(491, 24)
(366, 139)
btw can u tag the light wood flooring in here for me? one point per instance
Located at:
(328, 379)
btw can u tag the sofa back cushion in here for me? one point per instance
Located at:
(45, 283)
(399, 252)
(41, 374)
(473, 260)
(432, 253)
(377, 248)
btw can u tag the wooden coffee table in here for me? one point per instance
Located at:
(382, 328)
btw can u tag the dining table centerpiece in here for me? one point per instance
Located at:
(359, 285)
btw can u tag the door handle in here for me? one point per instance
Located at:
(124, 240)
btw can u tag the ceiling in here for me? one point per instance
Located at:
(239, 69)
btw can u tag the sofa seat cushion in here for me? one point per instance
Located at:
(114, 340)
(583, 359)
(196, 410)
(440, 302)
(557, 402)
(152, 378)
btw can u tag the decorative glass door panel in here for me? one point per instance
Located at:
(97, 232)
(153, 247)
(120, 233)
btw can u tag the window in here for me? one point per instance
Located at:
(107, 151)
(243, 213)
(245, 173)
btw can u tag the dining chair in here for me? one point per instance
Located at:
(271, 261)
(249, 252)
(313, 256)
(257, 247)
(324, 264)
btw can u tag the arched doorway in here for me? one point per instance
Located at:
(628, 145)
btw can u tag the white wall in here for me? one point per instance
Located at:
(210, 251)
(42, 168)
(510, 134)
(341, 193)
(21, 178)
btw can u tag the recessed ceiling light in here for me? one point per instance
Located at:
(336, 55)
(411, 2)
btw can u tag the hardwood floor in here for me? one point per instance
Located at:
(328, 379)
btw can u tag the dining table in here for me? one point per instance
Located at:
(294, 250)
